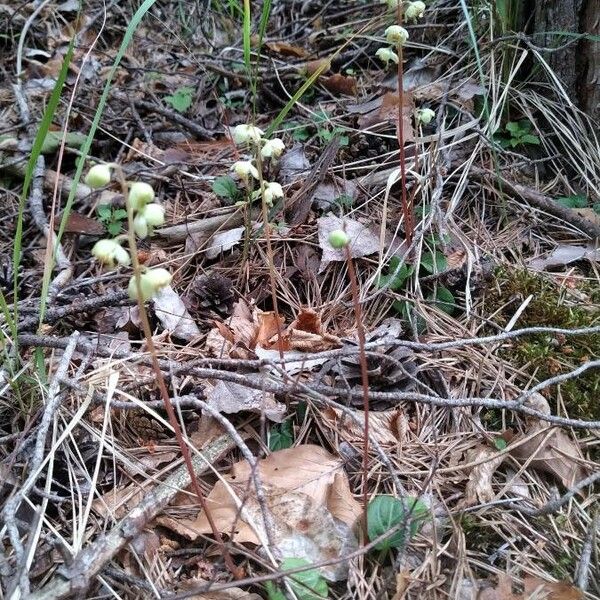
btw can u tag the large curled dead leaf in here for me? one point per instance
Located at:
(362, 240)
(565, 254)
(312, 510)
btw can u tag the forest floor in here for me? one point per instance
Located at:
(472, 268)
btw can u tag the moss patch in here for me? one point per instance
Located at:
(544, 356)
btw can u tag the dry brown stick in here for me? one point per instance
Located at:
(77, 577)
(542, 202)
(207, 225)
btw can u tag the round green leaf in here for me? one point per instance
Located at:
(307, 585)
(386, 512)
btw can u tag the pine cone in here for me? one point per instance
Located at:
(210, 295)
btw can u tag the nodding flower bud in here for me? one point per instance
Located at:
(415, 10)
(386, 55)
(140, 226)
(396, 35)
(243, 169)
(110, 252)
(271, 192)
(338, 239)
(98, 176)
(140, 194)
(273, 148)
(425, 115)
(246, 134)
(154, 214)
(151, 281)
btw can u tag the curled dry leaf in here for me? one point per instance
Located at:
(565, 254)
(312, 510)
(223, 241)
(231, 398)
(173, 315)
(549, 450)
(384, 110)
(479, 487)
(387, 427)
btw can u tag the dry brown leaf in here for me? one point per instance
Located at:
(533, 587)
(231, 398)
(386, 111)
(340, 84)
(322, 64)
(77, 223)
(119, 501)
(267, 329)
(479, 487)
(362, 240)
(173, 315)
(286, 49)
(565, 254)
(387, 427)
(553, 452)
(307, 491)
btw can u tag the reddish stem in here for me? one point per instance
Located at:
(407, 213)
(365, 380)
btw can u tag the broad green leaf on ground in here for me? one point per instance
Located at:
(385, 512)
(182, 99)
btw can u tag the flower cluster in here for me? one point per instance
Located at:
(146, 214)
(397, 37)
(247, 172)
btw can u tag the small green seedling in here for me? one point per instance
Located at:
(182, 99)
(281, 436)
(225, 187)
(112, 218)
(396, 275)
(385, 512)
(517, 134)
(306, 585)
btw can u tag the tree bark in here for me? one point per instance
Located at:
(577, 64)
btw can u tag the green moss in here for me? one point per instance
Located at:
(545, 356)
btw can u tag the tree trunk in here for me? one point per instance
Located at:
(577, 65)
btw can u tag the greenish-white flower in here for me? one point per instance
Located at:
(98, 176)
(273, 148)
(151, 281)
(244, 169)
(415, 10)
(271, 192)
(396, 35)
(425, 115)
(110, 252)
(247, 134)
(154, 214)
(140, 226)
(338, 239)
(140, 194)
(386, 55)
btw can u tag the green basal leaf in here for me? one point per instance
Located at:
(434, 262)
(281, 436)
(386, 512)
(225, 187)
(307, 585)
(530, 139)
(182, 99)
(513, 127)
(444, 300)
(53, 140)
